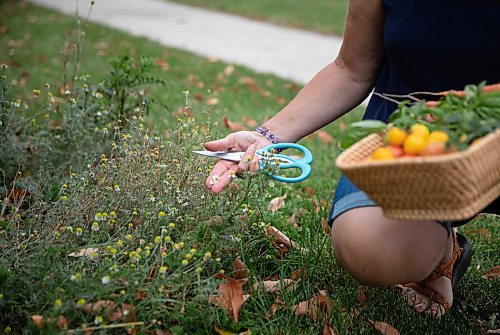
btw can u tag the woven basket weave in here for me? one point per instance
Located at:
(454, 186)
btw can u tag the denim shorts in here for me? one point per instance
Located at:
(348, 196)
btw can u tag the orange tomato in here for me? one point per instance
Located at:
(397, 151)
(434, 148)
(414, 144)
(382, 154)
(438, 136)
(420, 129)
(396, 136)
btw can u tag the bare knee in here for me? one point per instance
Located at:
(377, 251)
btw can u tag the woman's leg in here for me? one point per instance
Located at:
(378, 251)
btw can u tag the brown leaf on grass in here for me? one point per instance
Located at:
(240, 269)
(484, 233)
(140, 295)
(310, 191)
(232, 125)
(229, 69)
(314, 307)
(271, 286)
(293, 220)
(279, 237)
(276, 203)
(362, 298)
(384, 328)
(493, 331)
(325, 226)
(85, 252)
(230, 296)
(342, 125)
(163, 64)
(492, 273)
(62, 322)
(38, 320)
(212, 101)
(249, 122)
(328, 330)
(325, 137)
(250, 83)
(98, 307)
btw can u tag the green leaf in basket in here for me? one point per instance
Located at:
(357, 130)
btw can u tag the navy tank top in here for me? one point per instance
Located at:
(435, 46)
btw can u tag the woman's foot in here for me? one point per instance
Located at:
(434, 295)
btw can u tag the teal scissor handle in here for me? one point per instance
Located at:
(302, 163)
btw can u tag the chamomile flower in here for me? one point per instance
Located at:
(157, 239)
(198, 269)
(167, 239)
(184, 262)
(207, 255)
(171, 225)
(98, 320)
(105, 280)
(95, 226)
(76, 277)
(129, 237)
(112, 214)
(81, 302)
(188, 256)
(116, 188)
(64, 198)
(162, 214)
(79, 231)
(98, 216)
(58, 303)
(163, 269)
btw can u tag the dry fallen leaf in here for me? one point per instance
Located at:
(240, 269)
(279, 237)
(493, 331)
(384, 328)
(62, 322)
(293, 220)
(328, 330)
(98, 307)
(275, 285)
(276, 203)
(85, 252)
(230, 296)
(250, 122)
(492, 273)
(362, 298)
(38, 320)
(232, 125)
(324, 136)
(213, 101)
(314, 306)
(229, 69)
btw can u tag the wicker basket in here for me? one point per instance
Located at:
(454, 186)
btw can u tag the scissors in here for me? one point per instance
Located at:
(269, 155)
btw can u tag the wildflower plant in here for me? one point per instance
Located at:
(136, 227)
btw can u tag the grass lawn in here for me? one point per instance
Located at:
(323, 16)
(154, 196)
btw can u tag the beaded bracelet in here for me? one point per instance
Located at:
(267, 134)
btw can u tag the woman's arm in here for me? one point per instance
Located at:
(343, 84)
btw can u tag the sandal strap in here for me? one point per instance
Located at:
(432, 294)
(444, 268)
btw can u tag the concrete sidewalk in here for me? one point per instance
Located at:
(289, 53)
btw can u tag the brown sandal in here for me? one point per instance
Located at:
(453, 269)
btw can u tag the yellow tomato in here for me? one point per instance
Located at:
(420, 129)
(396, 136)
(414, 144)
(438, 136)
(382, 154)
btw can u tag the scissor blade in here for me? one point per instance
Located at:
(226, 155)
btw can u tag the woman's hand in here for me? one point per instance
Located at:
(224, 171)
